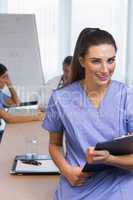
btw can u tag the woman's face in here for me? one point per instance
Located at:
(99, 63)
(3, 79)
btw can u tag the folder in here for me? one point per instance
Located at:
(119, 146)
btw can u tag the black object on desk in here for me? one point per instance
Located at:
(29, 103)
(119, 146)
(26, 103)
(1, 135)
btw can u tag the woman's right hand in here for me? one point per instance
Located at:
(76, 177)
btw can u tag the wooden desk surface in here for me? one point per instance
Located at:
(23, 187)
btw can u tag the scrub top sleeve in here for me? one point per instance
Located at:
(129, 110)
(3, 98)
(1, 106)
(52, 121)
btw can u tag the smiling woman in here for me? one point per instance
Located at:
(99, 63)
(96, 61)
(99, 109)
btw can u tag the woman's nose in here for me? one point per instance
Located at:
(104, 68)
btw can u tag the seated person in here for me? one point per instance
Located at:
(13, 100)
(65, 78)
(56, 82)
(60, 81)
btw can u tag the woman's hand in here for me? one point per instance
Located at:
(8, 81)
(76, 177)
(97, 156)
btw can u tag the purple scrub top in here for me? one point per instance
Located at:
(71, 112)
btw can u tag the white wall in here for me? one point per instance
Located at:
(110, 15)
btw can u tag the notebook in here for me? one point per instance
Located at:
(34, 165)
(24, 110)
(119, 146)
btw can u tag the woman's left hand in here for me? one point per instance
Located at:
(97, 156)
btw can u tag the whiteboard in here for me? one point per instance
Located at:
(20, 53)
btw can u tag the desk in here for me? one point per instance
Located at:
(23, 187)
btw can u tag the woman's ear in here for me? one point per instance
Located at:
(81, 62)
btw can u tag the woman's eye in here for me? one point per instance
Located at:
(110, 61)
(95, 61)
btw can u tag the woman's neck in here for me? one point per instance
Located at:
(94, 92)
(92, 88)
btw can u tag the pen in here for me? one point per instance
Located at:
(31, 162)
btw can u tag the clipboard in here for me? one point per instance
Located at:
(34, 165)
(119, 146)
